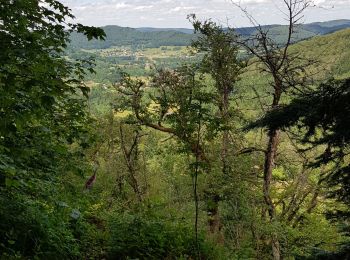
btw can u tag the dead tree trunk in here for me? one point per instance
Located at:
(285, 69)
(131, 160)
(269, 165)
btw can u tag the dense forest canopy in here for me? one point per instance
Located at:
(203, 143)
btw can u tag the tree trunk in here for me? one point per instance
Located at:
(270, 156)
(213, 199)
(276, 249)
(131, 159)
(225, 135)
(268, 168)
(214, 222)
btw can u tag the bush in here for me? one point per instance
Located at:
(138, 236)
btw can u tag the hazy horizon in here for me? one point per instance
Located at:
(191, 28)
(173, 13)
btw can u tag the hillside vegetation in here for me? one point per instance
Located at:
(252, 99)
(172, 143)
(156, 37)
(124, 36)
(330, 53)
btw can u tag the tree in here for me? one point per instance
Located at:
(131, 157)
(329, 115)
(220, 62)
(178, 104)
(42, 113)
(325, 126)
(287, 72)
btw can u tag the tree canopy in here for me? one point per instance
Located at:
(162, 155)
(42, 113)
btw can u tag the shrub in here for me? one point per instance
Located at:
(140, 236)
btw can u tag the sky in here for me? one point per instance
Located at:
(173, 13)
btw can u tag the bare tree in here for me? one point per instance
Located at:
(131, 156)
(288, 73)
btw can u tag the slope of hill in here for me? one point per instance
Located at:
(302, 32)
(331, 50)
(327, 27)
(125, 36)
(317, 28)
(148, 37)
(331, 53)
(152, 29)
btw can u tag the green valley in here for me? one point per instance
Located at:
(206, 143)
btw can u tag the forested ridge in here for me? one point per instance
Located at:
(223, 143)
(157, 37)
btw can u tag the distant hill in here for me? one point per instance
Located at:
(151, 29)
(122, 36)
(149, 37)
(318, 28)
(303, 31)
(332, 50)
(327, 27)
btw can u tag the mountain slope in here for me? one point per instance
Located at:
(152, 29)
(327, 27)
(302, 31)
(155, 37)
(122, 36)
(331, 50)
(331, 53)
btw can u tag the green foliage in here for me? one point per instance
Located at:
(220, 58)
(326, 124)
(171, 102)
(141, 204)
(322, 114)
(315, 231)
(42, 117)
(149, 236)
(153, 37)
(176, 98)
(123, 36)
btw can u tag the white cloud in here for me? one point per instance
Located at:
(331, 3)
(253, 1)
(143, 7)
(181, 9)
(172, 13)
